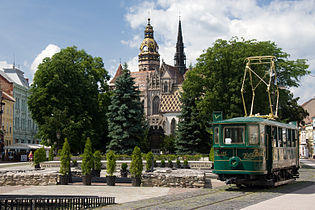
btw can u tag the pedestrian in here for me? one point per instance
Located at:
(30, 156)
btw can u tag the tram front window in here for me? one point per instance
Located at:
(234, 134)
(253, 134)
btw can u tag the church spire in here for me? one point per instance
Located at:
(180, 57)
(149, 57)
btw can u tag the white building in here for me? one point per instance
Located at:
(24, 128)
(307, 132)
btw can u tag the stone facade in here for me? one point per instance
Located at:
(159, 85)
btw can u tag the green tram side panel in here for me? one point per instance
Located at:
(251, 158)
(251, 161)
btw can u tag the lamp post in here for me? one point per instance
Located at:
(58, 138)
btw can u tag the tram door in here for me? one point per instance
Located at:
(268, 145)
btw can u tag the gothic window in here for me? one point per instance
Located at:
(156, 104)
(173, 126)
(165, 87)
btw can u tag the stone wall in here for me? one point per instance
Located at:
(199, 165)
(28, 178)
(184, 178)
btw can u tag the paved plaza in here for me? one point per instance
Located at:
(128, 197)
(122, 192)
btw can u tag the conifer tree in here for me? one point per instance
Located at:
(87, 161)
(125, 116)
(65, 158)
(191, 137)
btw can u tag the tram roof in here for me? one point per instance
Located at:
(254, 120)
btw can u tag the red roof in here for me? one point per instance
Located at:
(174, 73)
(118, 73)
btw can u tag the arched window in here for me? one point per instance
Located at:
(156, 104)
(173, 126)
(165, 87)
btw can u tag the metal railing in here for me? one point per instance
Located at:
(53, 202)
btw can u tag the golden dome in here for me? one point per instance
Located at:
(149, 45)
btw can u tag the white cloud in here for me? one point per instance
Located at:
(133, 64)
(49, 51)
(4, 64)
(288, 23)
(134, 43)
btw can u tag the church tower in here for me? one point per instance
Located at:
(149, 57)
(180, 57)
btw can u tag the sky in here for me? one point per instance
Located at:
(31, 30)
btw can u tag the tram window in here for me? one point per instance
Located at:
(295, 136)
(234, 135)
(262, 134)
(284, 137)
(216, 135)
(253, 134)
(280, 143)
(274, 136)
(289, 138)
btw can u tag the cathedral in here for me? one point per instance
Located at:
(159, 85)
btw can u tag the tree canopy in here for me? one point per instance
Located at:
(69, 99)
(125, 117)
(214, 84)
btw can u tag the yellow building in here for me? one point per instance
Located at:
(7, 118)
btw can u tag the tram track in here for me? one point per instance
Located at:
(179, 199)
(209, 198)
(222, 201)
(225, 197)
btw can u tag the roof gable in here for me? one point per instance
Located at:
(118, 73)
(173, 72)
(309, 106)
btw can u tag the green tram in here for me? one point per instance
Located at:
(255, 151)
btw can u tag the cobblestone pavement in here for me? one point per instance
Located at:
(222, 198)
(122, 192)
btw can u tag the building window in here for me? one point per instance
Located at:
(165, 87)
(173, 126)
(17, 123)
(156, 104)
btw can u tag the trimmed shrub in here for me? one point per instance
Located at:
(124, 166)
(136, 163)
(111, 162)
(87, 161)
(97, 160)
(185, 163)
(170, 163)
(162, 163)
(149, 159)
(39, 156)
(51, 153)
(65, 158)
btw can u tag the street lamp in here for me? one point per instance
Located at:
(58, 138)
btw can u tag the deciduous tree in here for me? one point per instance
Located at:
(69, 97)
(215, 82)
